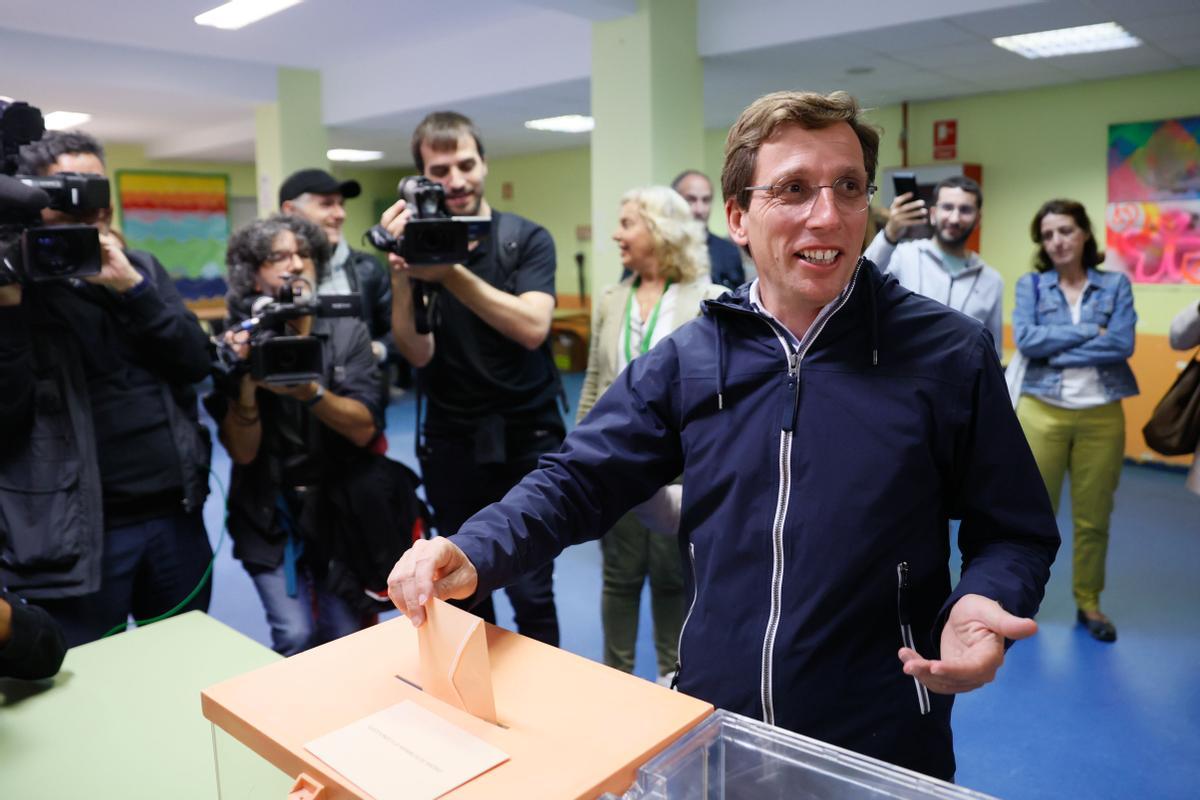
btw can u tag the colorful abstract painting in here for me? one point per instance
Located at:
(183, 219)
(1153, 213)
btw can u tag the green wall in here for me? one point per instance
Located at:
(554, 190)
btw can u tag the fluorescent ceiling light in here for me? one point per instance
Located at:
(64, 120)
(571, 123)
(353, 155)
(240, 13)
(1069, 41)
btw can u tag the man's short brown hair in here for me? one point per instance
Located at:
(441, 130)
(811, 110)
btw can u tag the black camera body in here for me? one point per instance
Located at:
(432, 236)
(75, 193)
(30, 251)
(280, 359)
(52, 253)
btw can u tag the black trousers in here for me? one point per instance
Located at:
(149, 567)
(457, 486)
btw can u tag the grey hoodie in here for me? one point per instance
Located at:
(977, 291)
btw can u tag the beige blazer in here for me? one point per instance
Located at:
(1185, 334)
(608, 312)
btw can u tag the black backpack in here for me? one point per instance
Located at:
(370, 515)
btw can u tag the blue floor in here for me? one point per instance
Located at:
(1067, 717)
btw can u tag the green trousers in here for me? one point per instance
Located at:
(1089, 443)
(631, 554)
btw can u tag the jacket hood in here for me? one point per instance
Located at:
(858, 303)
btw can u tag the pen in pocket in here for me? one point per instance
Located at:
(906, 636)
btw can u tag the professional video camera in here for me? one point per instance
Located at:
(277, 358)
(432, 236)
(30, 251)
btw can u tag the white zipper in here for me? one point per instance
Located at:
(688, 616)
(781, 505)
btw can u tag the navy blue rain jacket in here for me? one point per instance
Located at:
(808, 477)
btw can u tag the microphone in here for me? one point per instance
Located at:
(256, 309)
(21, 197)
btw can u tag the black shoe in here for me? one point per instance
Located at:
(1102, 630)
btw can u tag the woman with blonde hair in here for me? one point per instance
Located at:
(665, 253)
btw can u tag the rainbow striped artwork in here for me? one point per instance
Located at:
(183, 219)
(1152, 219)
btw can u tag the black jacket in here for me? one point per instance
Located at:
(370, 279)
(725, 261)
(51, 499)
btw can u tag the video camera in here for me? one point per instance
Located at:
(432, 236)
(30, 251)
(277, 358)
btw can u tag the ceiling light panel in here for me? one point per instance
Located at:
(1069, 41)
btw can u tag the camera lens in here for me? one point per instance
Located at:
(54, 255)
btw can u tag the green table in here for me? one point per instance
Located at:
(122, 719)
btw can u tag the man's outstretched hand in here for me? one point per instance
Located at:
(431, 568)
(972, 646)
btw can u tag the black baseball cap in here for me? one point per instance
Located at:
(317, 181)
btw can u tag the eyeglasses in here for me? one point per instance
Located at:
(283, 256)
(850, 195)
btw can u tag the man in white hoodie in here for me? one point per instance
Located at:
(942, 267)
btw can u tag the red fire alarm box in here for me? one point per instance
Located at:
(945, 139)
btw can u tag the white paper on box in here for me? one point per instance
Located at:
(405, 752)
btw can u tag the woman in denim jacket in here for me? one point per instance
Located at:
(1075, 324)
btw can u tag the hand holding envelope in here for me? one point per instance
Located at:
(432, 568)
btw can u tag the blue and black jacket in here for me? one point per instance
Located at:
(809, 474)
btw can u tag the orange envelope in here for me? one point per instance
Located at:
(454, 660)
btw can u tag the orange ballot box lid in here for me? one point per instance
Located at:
(569, 727)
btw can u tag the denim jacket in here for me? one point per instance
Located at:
(1046, 336)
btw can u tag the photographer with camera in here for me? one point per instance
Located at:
(104, 465)
(484, 365)
(297, 404)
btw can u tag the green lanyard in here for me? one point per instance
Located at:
(648, 333)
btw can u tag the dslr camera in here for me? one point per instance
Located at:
(30, 251)
(432, 236)
(275, 357)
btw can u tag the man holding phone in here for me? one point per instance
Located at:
(942, 268)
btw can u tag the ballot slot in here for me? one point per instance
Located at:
(417, 686)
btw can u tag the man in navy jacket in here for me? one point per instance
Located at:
(828, 424)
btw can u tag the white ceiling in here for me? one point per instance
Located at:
(149, 75)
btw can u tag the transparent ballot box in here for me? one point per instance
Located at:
(731, 757)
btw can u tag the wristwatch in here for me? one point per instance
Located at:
(316, 398)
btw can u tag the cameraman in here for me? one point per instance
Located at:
(104, 465)
(486, 368)
(289, 443)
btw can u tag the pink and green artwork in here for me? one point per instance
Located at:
(1152, 219)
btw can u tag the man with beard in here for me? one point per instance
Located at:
(485, 367)
(942, 267)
